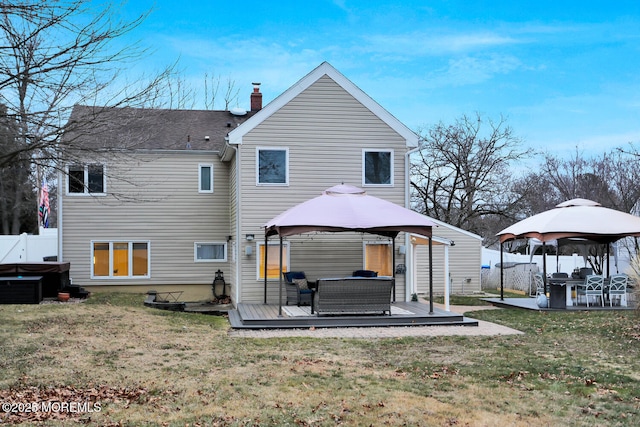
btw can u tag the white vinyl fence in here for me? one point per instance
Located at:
(29, 248)
(519, 269)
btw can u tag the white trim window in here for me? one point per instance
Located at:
(205, 178)
(86, 179)
(272, 166)
(118, 259)
(273, 260)
(378, 257)
(210, 252)
(377, 168)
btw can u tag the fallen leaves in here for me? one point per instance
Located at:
(65, 402)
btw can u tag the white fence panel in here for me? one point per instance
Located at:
(29, 248)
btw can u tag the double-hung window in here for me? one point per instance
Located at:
(272, 166)
(86, 179)
(210, 251)
(377, 167)
(119, 259)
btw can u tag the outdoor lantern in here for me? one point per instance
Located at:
(249, 237)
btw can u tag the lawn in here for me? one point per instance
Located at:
(132, 365)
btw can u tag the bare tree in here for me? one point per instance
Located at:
(58, 53)
(16, 190)
(54, 54)
(212, 89)
(611, 179)
(463, 173)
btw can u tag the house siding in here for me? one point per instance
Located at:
(325, 130)
(161, 193)
(464, 263)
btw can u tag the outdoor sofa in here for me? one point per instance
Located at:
(353, 295)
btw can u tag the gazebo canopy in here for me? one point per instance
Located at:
(348, 208)
(577, 218)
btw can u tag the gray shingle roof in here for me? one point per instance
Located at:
(150, 129)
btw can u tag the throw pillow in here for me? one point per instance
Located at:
(302, 283)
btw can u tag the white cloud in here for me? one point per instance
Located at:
(429, 44)
(470, 70)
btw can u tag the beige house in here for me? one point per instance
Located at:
(186, 193)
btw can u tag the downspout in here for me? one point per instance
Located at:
(59, 199)
(238, 216)
(409, 259)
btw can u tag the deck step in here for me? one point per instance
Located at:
(254, 316)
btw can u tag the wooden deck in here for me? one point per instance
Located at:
(530, 304)
(262, 316)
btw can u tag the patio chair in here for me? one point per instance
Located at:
(365, 273)
(539, 282)
(541, 296)
(297, 288)
(618, 289)
(593, 287)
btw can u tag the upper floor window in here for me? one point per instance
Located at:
(377, 167)
(272, 166)
(86, 179)
(205, 173)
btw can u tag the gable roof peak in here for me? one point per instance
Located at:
(325, 68)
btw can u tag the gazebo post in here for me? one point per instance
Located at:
(544, 266)
(501, 271)
(430, 275)
(266, 252)
(280, 282)
(393, 266)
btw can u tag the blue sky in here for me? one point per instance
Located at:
(565, 74)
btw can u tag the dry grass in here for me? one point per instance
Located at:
(153, 367)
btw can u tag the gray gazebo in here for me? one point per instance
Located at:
(348, 208)
(573, 219)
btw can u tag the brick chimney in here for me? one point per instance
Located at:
(256, 98)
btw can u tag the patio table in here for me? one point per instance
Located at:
(571, 284)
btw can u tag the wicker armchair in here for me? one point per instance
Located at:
(297, 288)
